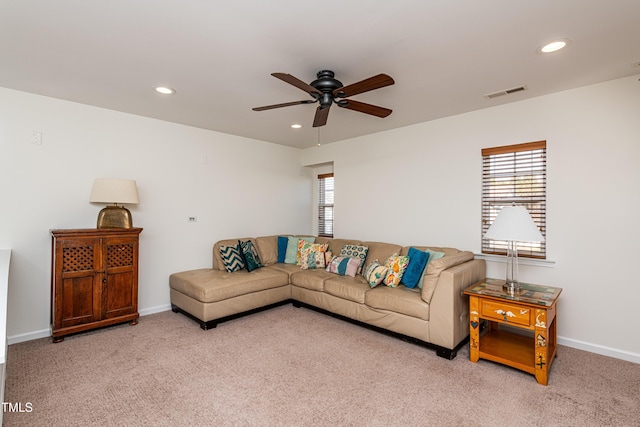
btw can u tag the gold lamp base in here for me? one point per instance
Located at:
(115, 217)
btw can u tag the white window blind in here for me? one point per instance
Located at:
(515, 174)
(325, 205)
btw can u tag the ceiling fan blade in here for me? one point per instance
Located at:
(286, 104)
(322, 114)
(288, 78)
(375, 82)
(362, 107)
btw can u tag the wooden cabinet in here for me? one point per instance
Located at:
(94, 279)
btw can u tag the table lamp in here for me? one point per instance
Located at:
(114, 191)
(513, 224)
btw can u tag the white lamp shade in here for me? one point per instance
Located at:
(107, 190)
(514, 223)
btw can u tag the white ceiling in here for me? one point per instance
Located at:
(444, 56)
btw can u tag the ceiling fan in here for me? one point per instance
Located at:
(327, 90)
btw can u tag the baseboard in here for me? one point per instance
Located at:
(600, 349)
(29, 336)
(44, 333)
(154, 310)
(569, 342)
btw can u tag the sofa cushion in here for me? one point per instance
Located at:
(447, 251)
(267, 247)
(380, 251)
(434, 268)
(347, 287)
(231, 258)
(286, 268)
(399, 300)
(250, 255)
(321, 240)
(336, 245)
(208, 285)
(310, 279)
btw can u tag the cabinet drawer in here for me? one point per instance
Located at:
(505, 312)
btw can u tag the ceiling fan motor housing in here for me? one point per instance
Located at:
(326, 84)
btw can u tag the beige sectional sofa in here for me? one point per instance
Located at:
(436, 315)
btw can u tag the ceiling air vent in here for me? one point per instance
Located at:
(505, 92)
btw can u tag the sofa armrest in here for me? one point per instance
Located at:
(449, 308)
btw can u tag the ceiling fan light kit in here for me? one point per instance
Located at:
(326, 90)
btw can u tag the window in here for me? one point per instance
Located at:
(515, 174)
(325, 205)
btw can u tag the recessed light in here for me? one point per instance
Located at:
(553, 46)
(296, 126)
(165, 90)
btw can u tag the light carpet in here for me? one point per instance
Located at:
(295, 367)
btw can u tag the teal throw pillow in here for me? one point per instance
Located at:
(250, 255)
(282, 248)
(417, 263)
(433, 255)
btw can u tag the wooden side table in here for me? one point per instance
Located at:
(533, 308)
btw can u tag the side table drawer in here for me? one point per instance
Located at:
(506, 313)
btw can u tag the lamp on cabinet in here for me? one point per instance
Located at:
(513, 224)
(107, 190)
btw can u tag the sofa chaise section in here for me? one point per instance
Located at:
(212, 295)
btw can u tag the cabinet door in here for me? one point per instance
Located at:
(120, 290)
(77, 285)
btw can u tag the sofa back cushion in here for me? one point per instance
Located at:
(446, 251)
(267, 247)
(322, 240)
(335, 245)
(380, 251)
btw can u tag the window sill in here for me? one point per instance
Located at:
(521, 260)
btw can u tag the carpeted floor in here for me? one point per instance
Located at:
(295, 367)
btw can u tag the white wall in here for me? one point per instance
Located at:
(416, 185)
(236, 193)
(422, 185)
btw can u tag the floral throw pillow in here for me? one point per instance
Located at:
(375, 273)
(396, 265)
(304, 244)
(313, 256)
